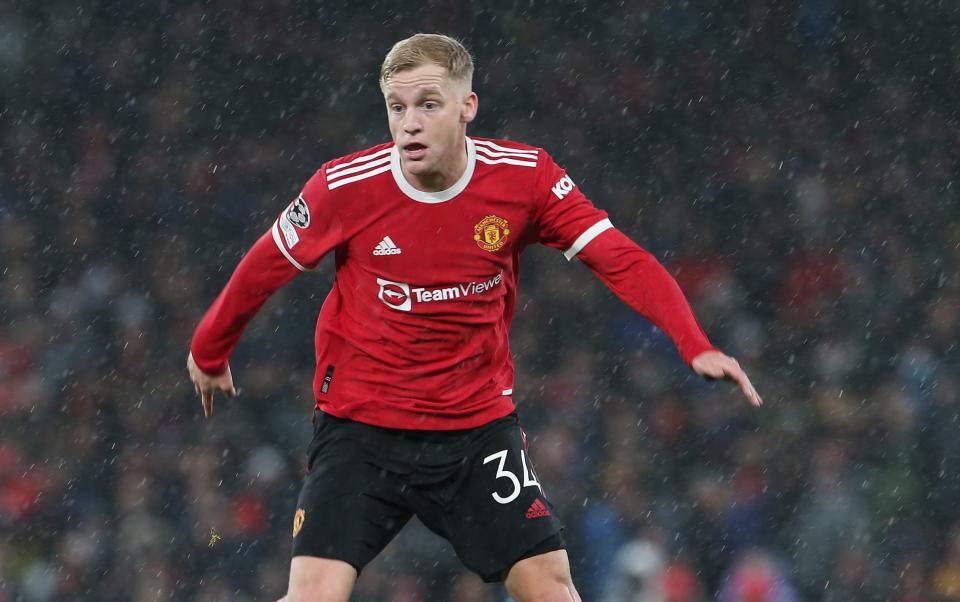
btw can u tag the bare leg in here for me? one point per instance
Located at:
(542, 578)
(319, 580)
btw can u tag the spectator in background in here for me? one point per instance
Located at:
(127, 129)
(756, 577)
(832, 519)
(637, 573)
(945, 578)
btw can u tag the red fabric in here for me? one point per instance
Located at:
(415, 331)
(643, 284)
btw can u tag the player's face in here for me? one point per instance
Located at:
(428, 116)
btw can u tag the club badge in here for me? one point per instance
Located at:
(298, 521)
(491, 233)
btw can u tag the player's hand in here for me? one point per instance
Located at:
(205, 384)
(715, 365)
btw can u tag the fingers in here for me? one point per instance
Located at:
(737, 374)
(206, 394)
(750, 392)
(206, 397)
(715, 365)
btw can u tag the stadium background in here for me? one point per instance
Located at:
(794, 163)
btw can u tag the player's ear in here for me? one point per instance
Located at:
(468, 111)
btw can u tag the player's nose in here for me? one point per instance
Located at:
(411, 124)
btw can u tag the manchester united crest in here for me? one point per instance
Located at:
(491, 233)
(298, 521)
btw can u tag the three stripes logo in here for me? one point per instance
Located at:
(387, 247)
(358, 169)
(537, 509)
(492, 153)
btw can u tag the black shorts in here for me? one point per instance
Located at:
(474, 487)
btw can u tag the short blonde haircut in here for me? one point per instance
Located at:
(425, 48)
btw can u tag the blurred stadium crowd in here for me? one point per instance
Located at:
(793, 163)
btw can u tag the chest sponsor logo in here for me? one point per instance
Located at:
(563, 187)
(491, 233)
(395, 295)
(400, 296)
(299, 213)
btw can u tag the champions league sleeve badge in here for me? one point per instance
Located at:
(299, 213)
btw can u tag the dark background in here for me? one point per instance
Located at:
(793, 163)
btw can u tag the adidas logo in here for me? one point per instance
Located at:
(537, 509)
(387, 247)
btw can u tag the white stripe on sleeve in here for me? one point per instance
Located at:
(276, 239)
(331, 177)
(494, 146)
(494, 154)
(585, 238)
(357, 178)
(363, 159)
(483, 159)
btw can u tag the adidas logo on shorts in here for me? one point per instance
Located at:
(537, 509)
(387, 247)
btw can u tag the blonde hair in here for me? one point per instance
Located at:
(426, 48)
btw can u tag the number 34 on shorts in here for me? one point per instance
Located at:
(529, 477)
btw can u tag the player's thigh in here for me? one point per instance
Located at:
(542, 577)
(348, 508)
(500, 513)
(319, 580)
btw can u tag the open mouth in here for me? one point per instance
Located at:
(414, 150)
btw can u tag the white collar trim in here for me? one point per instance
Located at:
(433, 197)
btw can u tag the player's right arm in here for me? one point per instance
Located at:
(306, 230)
(259, 274)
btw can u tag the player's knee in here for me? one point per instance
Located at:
(555, 593)
(542, 578)
(551, 590)
(319, 580)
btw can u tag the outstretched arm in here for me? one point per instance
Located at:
(641, 282)
(262, 271)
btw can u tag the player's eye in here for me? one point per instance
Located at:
(396, 108)
(431, 105)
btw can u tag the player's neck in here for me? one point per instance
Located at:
(442, 178)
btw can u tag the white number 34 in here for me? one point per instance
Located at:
(529, 479)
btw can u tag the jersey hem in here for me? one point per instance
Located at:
(387, 417)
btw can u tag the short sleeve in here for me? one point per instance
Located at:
(566, 219)
(310, 226)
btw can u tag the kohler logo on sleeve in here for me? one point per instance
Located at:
(563, 186)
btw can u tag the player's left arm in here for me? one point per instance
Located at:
(567, 221)
(642, 282)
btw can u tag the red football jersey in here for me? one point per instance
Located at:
(415, 332)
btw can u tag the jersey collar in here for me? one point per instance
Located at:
(433, 197)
